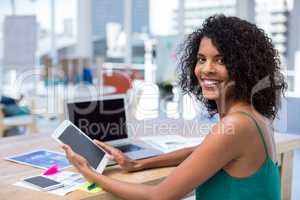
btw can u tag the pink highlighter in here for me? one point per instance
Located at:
(52, 170)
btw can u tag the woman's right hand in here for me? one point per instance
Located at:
(115, 154)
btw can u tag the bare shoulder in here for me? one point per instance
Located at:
(232, 131)
(234, 124)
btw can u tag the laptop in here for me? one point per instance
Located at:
(104, 119)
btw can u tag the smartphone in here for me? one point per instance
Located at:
(43, 183)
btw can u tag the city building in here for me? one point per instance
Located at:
(101, 15)
(112, 11)
(195, 12)
(280, 19)
(294, 47)
(68, 27)
(273, 17)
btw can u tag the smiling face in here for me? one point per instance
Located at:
(210, 70)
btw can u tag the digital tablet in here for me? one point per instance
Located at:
(43, 183)
(68, 133)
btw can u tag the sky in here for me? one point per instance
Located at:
(160, 12)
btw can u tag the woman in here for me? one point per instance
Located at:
(231, 66)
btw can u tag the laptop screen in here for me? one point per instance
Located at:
(104, 120)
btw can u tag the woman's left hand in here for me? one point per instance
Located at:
(77, 160)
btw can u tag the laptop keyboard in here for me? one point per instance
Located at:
(128, 148)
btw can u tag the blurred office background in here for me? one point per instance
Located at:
(53, 50)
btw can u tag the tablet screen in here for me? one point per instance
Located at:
(82, 145)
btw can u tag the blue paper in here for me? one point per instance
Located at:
(43, 159)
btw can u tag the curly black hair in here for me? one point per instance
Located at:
(250, 57)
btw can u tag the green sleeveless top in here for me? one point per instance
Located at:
(264, 184)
